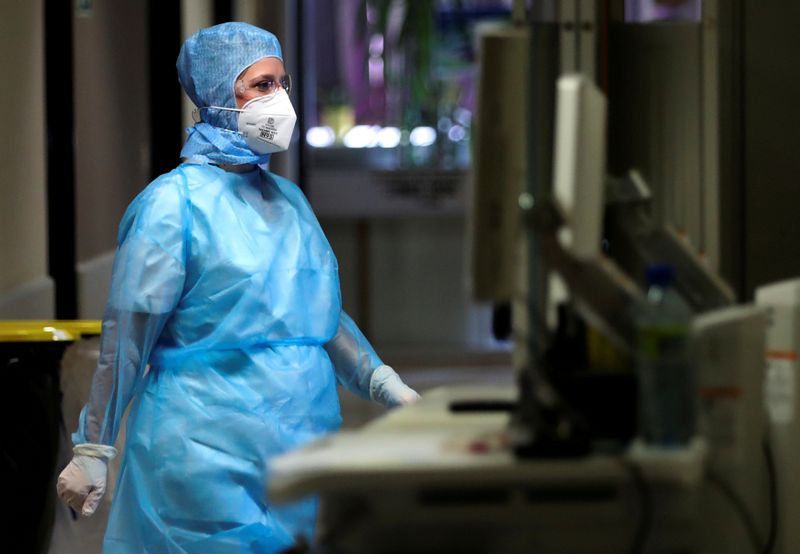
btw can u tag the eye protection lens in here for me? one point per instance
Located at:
(267, 86)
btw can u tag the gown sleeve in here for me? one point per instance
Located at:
(353, 357)
(146, 284)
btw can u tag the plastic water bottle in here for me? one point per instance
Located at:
(667, 390)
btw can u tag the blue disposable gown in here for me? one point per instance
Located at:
(225, 283)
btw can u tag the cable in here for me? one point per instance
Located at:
(772, 533)
(740, 508)
(645, 522)
(646, 505)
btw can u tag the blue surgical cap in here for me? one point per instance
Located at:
(212, 59)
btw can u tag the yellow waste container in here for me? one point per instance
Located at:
(30, 405)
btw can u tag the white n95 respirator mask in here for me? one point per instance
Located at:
(267, 122)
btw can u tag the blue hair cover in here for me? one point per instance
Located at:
(208, 65)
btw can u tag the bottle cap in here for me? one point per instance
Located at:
(660, 275)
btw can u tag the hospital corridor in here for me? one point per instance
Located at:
(400, 276)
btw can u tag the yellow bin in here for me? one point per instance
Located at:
(30, 359)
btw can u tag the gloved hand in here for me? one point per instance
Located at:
(386, 387)
(82, 484)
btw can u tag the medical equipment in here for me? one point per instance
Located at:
(782, 303)
(482, 459)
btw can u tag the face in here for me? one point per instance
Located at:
(262, 78)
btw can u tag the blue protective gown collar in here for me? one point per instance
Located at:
(215, 145)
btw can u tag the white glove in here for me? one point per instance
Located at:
(82, 484)
(386, 387)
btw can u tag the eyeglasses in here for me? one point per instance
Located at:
(267, 86)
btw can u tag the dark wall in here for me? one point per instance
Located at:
(760, 146)
(772, 141)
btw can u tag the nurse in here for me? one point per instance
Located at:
(224, 328)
